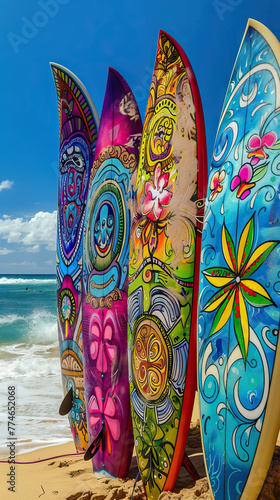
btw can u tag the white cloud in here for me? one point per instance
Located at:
(5, 251)
(6, 185)
(34, 249)
(34, 231)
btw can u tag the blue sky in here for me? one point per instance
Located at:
(87, 37)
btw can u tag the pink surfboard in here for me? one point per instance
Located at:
(105, 281)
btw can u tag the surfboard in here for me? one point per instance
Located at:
(78, 121)
(105, 281)
(239, 358)
(164, 251)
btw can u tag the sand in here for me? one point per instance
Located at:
(71, 478)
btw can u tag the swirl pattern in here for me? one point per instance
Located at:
(150, 361)
(239, 303)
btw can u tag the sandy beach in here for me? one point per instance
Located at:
(71, 478)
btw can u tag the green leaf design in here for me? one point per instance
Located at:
(258, 257)
(276, 145)
(154, 455)
(219, 276)
(176, 402)
(221, 311)
(259, 173)
(228, 249)
(245, 244)
(140, 444)
(235, 286)
(255, 296)
(221, 294)
(151, 428)
(160, 434)
(147, 438)
(145, 474)
(146, 451)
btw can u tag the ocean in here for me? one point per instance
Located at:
(29, 361)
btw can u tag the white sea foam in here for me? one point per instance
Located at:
(27, 281)
(10, 318)
(26, 361)
(35, 354)
(39, 327)
(29, 360)
(43, 327)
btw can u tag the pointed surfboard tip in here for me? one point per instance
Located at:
(113, 74)
(55, 66)
(114, 71)
(178, 47)
(267, 34)
(196, 96)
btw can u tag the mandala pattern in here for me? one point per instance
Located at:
(107, 236)
(78, 132)
(151, 360)
(161, 268)
(239, 292)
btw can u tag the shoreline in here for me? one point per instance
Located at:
(71, 478)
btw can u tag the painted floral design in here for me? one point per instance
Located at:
(158, 195)
(235, 286)
(242, 181)
(102, 413)
(216, 184)
(252, 172)
(154, 452)
(101, 350)
(256, 145)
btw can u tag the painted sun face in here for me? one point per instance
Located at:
(103, 229)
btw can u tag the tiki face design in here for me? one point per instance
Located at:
(103, 228)
(73, 182)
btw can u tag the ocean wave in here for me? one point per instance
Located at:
(10, 318)
(39, 327)
(26, 281)
(25, 361)
(43, 327)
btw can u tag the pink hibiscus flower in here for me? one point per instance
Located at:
(256, 145)
(158, 195)
(242, 181)
(104, 412)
